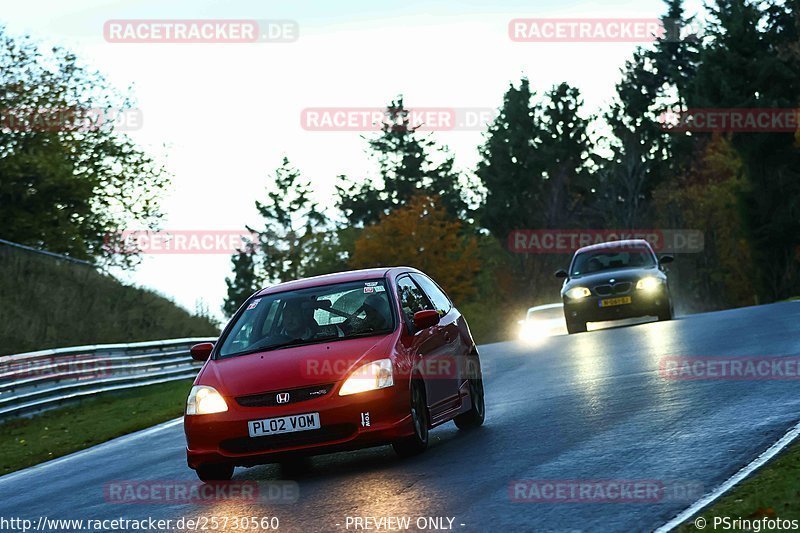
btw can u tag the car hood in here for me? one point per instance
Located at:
(292, 367)
(619, 275)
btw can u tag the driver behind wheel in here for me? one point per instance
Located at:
(377, 316)
(298, 321)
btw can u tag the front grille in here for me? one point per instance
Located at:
(276, 442)
(618, 288)
(270, 399)
(603, 290)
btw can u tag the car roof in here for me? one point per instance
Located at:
(633, 243)
(330, 279)
(546, 306)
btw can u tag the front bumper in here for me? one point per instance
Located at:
(642, 304)
(224, 437)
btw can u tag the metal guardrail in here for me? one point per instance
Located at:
(36, 381)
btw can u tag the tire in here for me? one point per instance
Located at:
(666, 313)
(418, 442)
(214, 472)
(576, 326)
(475, 416)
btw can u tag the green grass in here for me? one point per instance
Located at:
(50, 303)
(28, 441)
(773, 491)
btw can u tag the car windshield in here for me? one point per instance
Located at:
(308, 316)
(599, 260)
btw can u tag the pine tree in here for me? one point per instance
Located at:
(406, 167)
(291, 220)
(244, 282)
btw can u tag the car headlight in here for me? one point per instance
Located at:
(531, 330)
(371, 376)
(205, 400)
(649, 283)
(576, 293)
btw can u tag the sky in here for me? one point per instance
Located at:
(221, 116)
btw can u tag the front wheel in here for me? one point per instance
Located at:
(576, 326)
(666, 313)
(418, 442)
(208, 473)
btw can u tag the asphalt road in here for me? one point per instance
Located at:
(591, 406)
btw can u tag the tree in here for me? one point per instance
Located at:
(638, 149)
(406, 167)
(244, 282)
(709, 197)
(291, 220)
(421, 234)
(69, 180)
(534, 161)
(753, 50)
(509, 167)
(564, 149)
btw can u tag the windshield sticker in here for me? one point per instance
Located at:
(370, 283)
(380, 289)
(369, 289)
(253, 304)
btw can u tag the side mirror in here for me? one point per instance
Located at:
(666, 259)
(200, 352)
(561, 273)
(426, 319)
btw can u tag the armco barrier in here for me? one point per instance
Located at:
(40, 380)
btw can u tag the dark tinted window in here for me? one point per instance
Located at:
(308, 316)
(440, 300)
(412, 299)
(611, 258)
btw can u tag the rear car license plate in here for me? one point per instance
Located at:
(283, 424)
(609, 302)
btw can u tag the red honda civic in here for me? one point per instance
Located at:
(331, 363)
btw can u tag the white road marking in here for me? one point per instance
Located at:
(757, 463)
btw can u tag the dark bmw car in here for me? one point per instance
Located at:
(615, 280)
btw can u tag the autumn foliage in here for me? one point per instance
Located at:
(422, 235)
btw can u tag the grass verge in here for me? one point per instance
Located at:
(28, 441)
(771, 492)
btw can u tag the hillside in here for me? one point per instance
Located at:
(50, 303)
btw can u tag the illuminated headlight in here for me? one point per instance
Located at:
(648, 284)
(531, 330)
(205, 400)
(576, 293)
(372, 376)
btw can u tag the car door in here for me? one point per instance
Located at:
(427, 347)
(449, 330)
